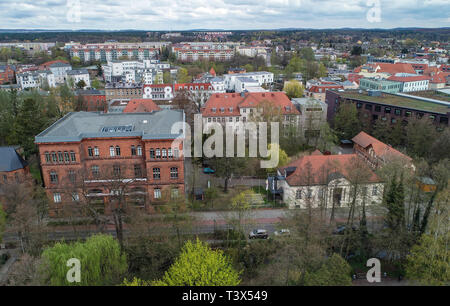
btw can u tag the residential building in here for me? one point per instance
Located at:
(313, 116)
(78, 75)
(199, 51)
(115, 91)
(233, 108)
(36, 79)
(7, 74)
(94, 157)
(109, 51)
(141, 106)
(261, 77)
(59, 70)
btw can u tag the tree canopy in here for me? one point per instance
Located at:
(198, 265)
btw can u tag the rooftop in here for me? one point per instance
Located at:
(10, 160)
(81, 125)
(396, 100)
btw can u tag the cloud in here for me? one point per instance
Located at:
(220, 14)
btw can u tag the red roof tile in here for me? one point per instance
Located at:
(248, 100)
(320, 169)
(409, 78)
(141, 106)
(381, 149)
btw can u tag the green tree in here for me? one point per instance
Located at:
(346, 121)
(334, 272)
(198, 265)
(183, 76)
(429, 261)
(101, 262)
(81, 84)
(29, 123)
(395, 203)
(293, 89)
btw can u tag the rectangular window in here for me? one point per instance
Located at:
(157, 193)
(398, 112)
(133, 151)
(169, 153)
(96, 151)
(47, 157)
(158, 153)
(378, 108)
(387, 110)
(112, 153)
(174, 173)
(72, 176)
(164, 153)
(66, 157)
(176, 153)
(298, 194)
(75, 197)
(139, 151)
(137, 171)
(60, 157)
(117, 150)
(72, 156)
(90, 152)
(116, 170)
(156, 173)
(152, 153)
(95, 171)
(375, 190)
(57, 197)
(53, 177)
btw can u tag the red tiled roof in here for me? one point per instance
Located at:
(320, 169)
(141, 106)
(248, 100)
(316, 88)
(396, 68)
(48, 64)
(440, 77)
(409, 78)
(381, 149)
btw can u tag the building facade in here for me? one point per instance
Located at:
(91, 158)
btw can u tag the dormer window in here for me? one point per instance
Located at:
(213, 109)
(231, 109)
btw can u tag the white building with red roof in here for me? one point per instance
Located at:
(411, 82)
(327, 180)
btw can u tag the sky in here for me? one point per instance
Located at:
(175, 15)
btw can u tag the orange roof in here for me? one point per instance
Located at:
(381, 149)
(409, 78)
(321, 169)
(440, 77)
(235, 101)
(396, 68)
(141, 106)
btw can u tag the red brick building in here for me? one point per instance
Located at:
(13, 168)
(92, 100)
(375, 152)
(93, 157)
(7, 75)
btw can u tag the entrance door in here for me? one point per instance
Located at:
(337, 196)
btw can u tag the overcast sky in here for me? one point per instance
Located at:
(221, 14)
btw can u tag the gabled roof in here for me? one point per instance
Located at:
(141, 106)
(317, 169)
(10, 160)
(246, 100)
(395, 68)
(381, 149)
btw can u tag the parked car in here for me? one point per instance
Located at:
(340, 230)
(258, 234)
(209, 171)
(283, 232)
